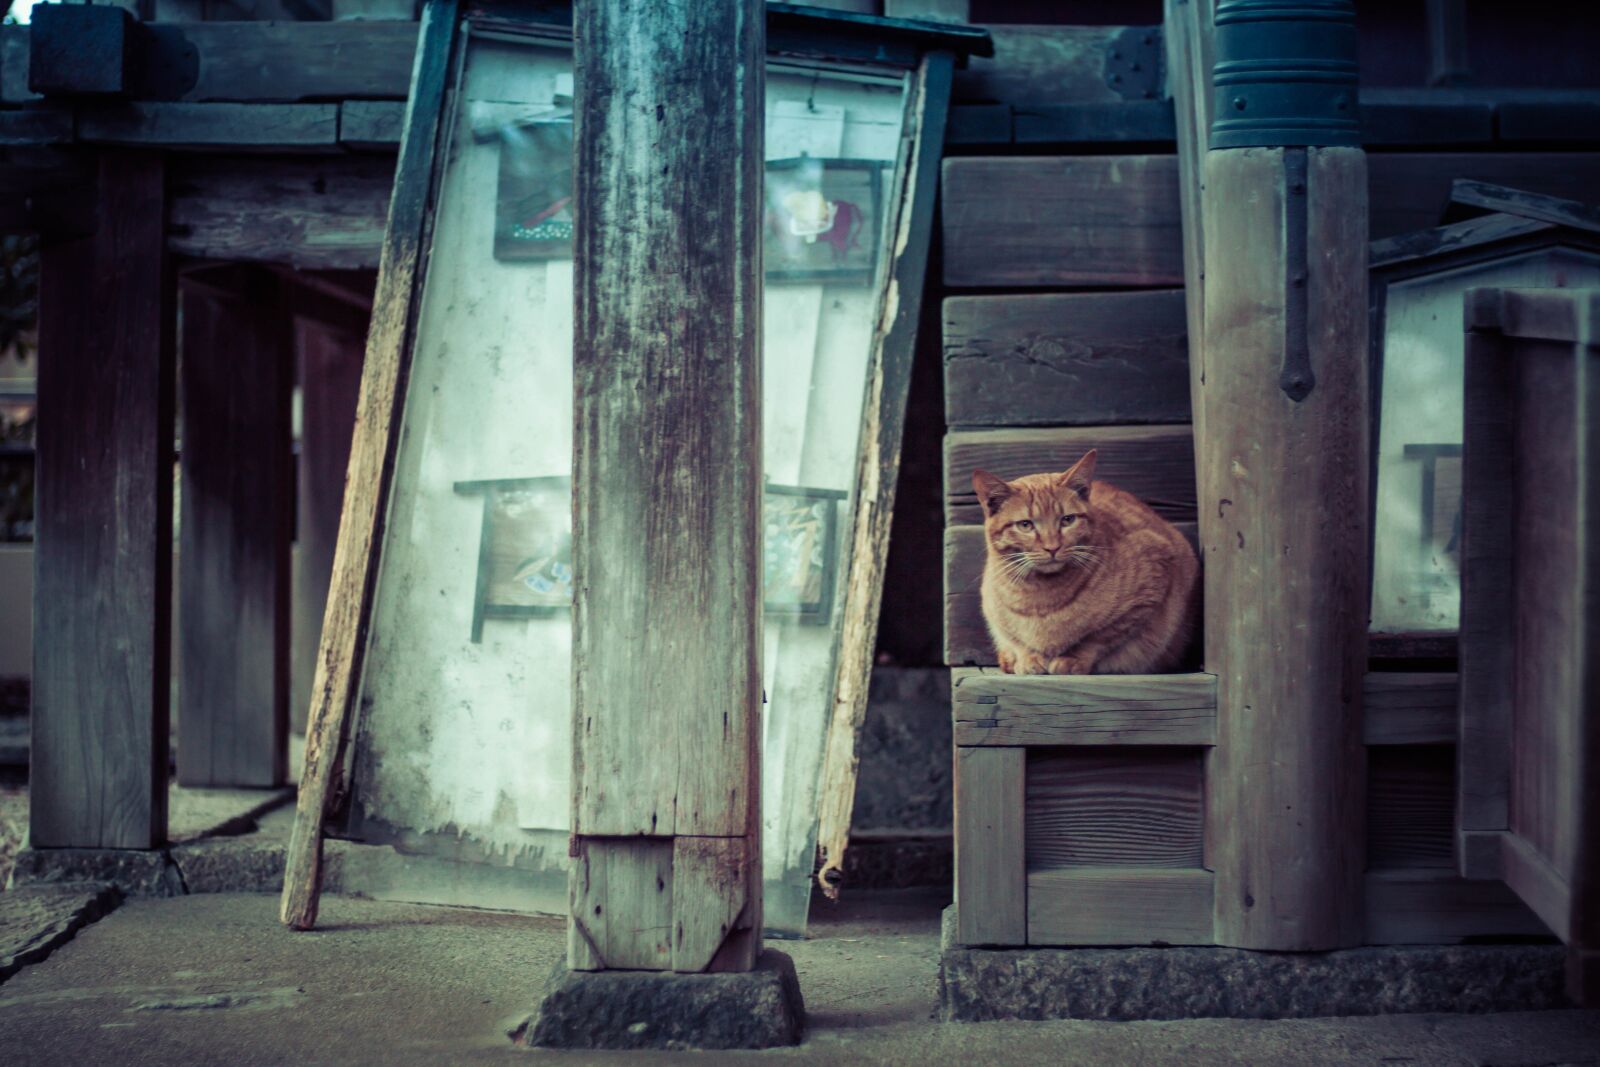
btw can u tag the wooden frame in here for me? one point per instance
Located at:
(830, 37)
(1002, 720)
(491, 491)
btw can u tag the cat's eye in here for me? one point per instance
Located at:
(1024, 524)
(1068, 520)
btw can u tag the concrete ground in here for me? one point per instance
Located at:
(214, 979)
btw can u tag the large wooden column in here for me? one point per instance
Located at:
(234, 530)
(103, 562)
(1283, 475)
(666, 869)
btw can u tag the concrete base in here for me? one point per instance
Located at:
(658, 1009)
(979, 985)
(34, 921)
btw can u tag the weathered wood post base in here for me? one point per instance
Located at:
(760, 1008)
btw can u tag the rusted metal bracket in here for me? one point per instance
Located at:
(1296, 377)
(1135, 63)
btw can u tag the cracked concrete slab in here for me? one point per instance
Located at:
(36, 920)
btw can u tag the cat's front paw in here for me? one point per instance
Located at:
(1028, 663)
(1007, 660)
(1070, 665)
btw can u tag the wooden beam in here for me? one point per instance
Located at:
(1120, 906)
(284, 127)
(991, 886)
(1035, 64)
(377, 436)
(235, 533)
(1283, 524)
(103, 514)
(1434, 907)
(1489, 197)
(879, 465)
(307, 212)
(993, 708)
(371, 124)
(666, 639)
(1066, 359)
(1409, 709)
(1060, 221)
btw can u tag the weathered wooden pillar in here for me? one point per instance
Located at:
(666, 871)
(234, 530)
(330, 381)
(102, 598)
(1283, 478)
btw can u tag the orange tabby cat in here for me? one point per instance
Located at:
(1083, 578)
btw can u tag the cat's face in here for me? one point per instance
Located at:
(1040, 524)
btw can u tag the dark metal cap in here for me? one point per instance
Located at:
(1285, 74)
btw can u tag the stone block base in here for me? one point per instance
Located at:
(979, 984)
(660, 1009)
(136, 872)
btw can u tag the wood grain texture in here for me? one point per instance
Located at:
(1154, 463)
(1066, 359)
(1114, 809)
(716, 904)
(330, 377)
(1488, 651)
(966, 637)
(1540, 884)
(1411, 802)
(1189, 35)
(666, 639)
(1036, 64)
(1433, 907)
(991, 887)
(289, 127)
(1409, 708)
(1120, 906)
(308, 212)
(1283, 523)
(103, 523)
(889, 384)
(994, 708)
(367, 482)
(1062, 220)
(237, 373)
(622, 899)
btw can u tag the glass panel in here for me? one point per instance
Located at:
(464, 747)
(1416, 584)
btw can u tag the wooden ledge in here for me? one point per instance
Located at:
(991, 708)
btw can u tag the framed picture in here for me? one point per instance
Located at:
(533, 200)
(824, 219)
(524, 550)
(800, 549)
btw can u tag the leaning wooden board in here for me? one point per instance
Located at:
(1108, 221)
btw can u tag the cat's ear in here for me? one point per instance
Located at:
(1080, 475)
(992, 490)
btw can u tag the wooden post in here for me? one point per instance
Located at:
(666, 624)
(330, 379)
(234, 531)
(1283, 523)
(103, 561)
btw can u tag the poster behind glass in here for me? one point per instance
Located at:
(1416, 584)
(463, 754)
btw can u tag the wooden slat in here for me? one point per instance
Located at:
(1057, 221)
(103, 515)
(1537, 882)
(1433, 907)
(1065, 359)
(991, 886)
(317, 212)
(1283, 522)
(1154, 463)
(993, 708)
(372, 450)
(1033, 64)
(1487, 197)
(966, 637)
(879, 463)
(1127, 808)
(234, 537)
(1411, 191)
(371, 124)
(1411, 806)
(1410, 709)
(242, 126)
(1120, 906)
